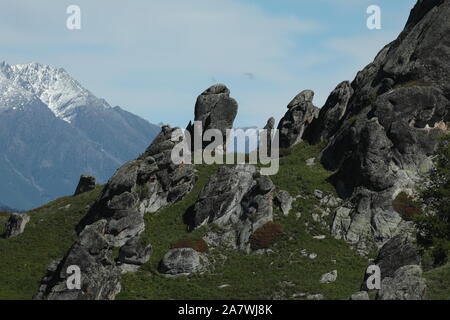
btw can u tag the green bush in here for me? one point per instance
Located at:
(434, 227)
(440, 252)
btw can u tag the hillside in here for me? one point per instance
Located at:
(49, 234)
(363, 181)
(283, 274)
(248, 276)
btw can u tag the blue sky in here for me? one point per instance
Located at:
(153, 57)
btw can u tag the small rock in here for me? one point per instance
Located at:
(310, 162)
(16, 225)
(329, 277)
(287, 284)
(298, 215)
(284, 201)
(223, 286)
(320, 237)
(361, 295)
(299, 295)
(315, 217)
(318, 194)
(315, 297)
(330, 201)
(312, 256)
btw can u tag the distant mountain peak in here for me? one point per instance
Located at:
(53, 86)
(52, 130)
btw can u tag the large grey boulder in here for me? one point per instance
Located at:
(183, 261)
(135, 251)
(16, 225)
(301, 112)
(86, 183)
(215, 109)
(385, 140)
(116, 220)
(398, 252)
(237, 199)
(405, 284)
(92, 254)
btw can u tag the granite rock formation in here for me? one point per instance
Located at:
(116, 220)
(86, 183)
(301, 113)
(238, 200)
(16, 225)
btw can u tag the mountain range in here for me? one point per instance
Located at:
(52, 130)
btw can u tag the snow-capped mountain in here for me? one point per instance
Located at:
(54, 87)
(52, 130)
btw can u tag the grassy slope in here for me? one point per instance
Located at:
(23, 260)
(255, 277)
(438, 283)
(48, 236)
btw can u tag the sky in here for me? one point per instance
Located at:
(154, 57)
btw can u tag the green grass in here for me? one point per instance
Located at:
(50, 233)
(438, 283)
(255, 276)
(48, 236)
(4, 216)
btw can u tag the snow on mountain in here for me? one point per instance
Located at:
(53, 86)
(11, 94)
(52, 130)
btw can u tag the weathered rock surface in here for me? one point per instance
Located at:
(183, 261)
(16, 225)
(329, 277)
(145, 184)
(405, 284)
(299, 116)
(99, 275)
(330, 114)
(398, 252)
(386, 136)
(215, 109)
(284, 201)
(116, 220)
(237, 199)
(135, 252)
(86, 183)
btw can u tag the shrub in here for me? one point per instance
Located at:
(406, 206)
(263, 237)
(196, 244)
(440, 252)
(434, 228)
